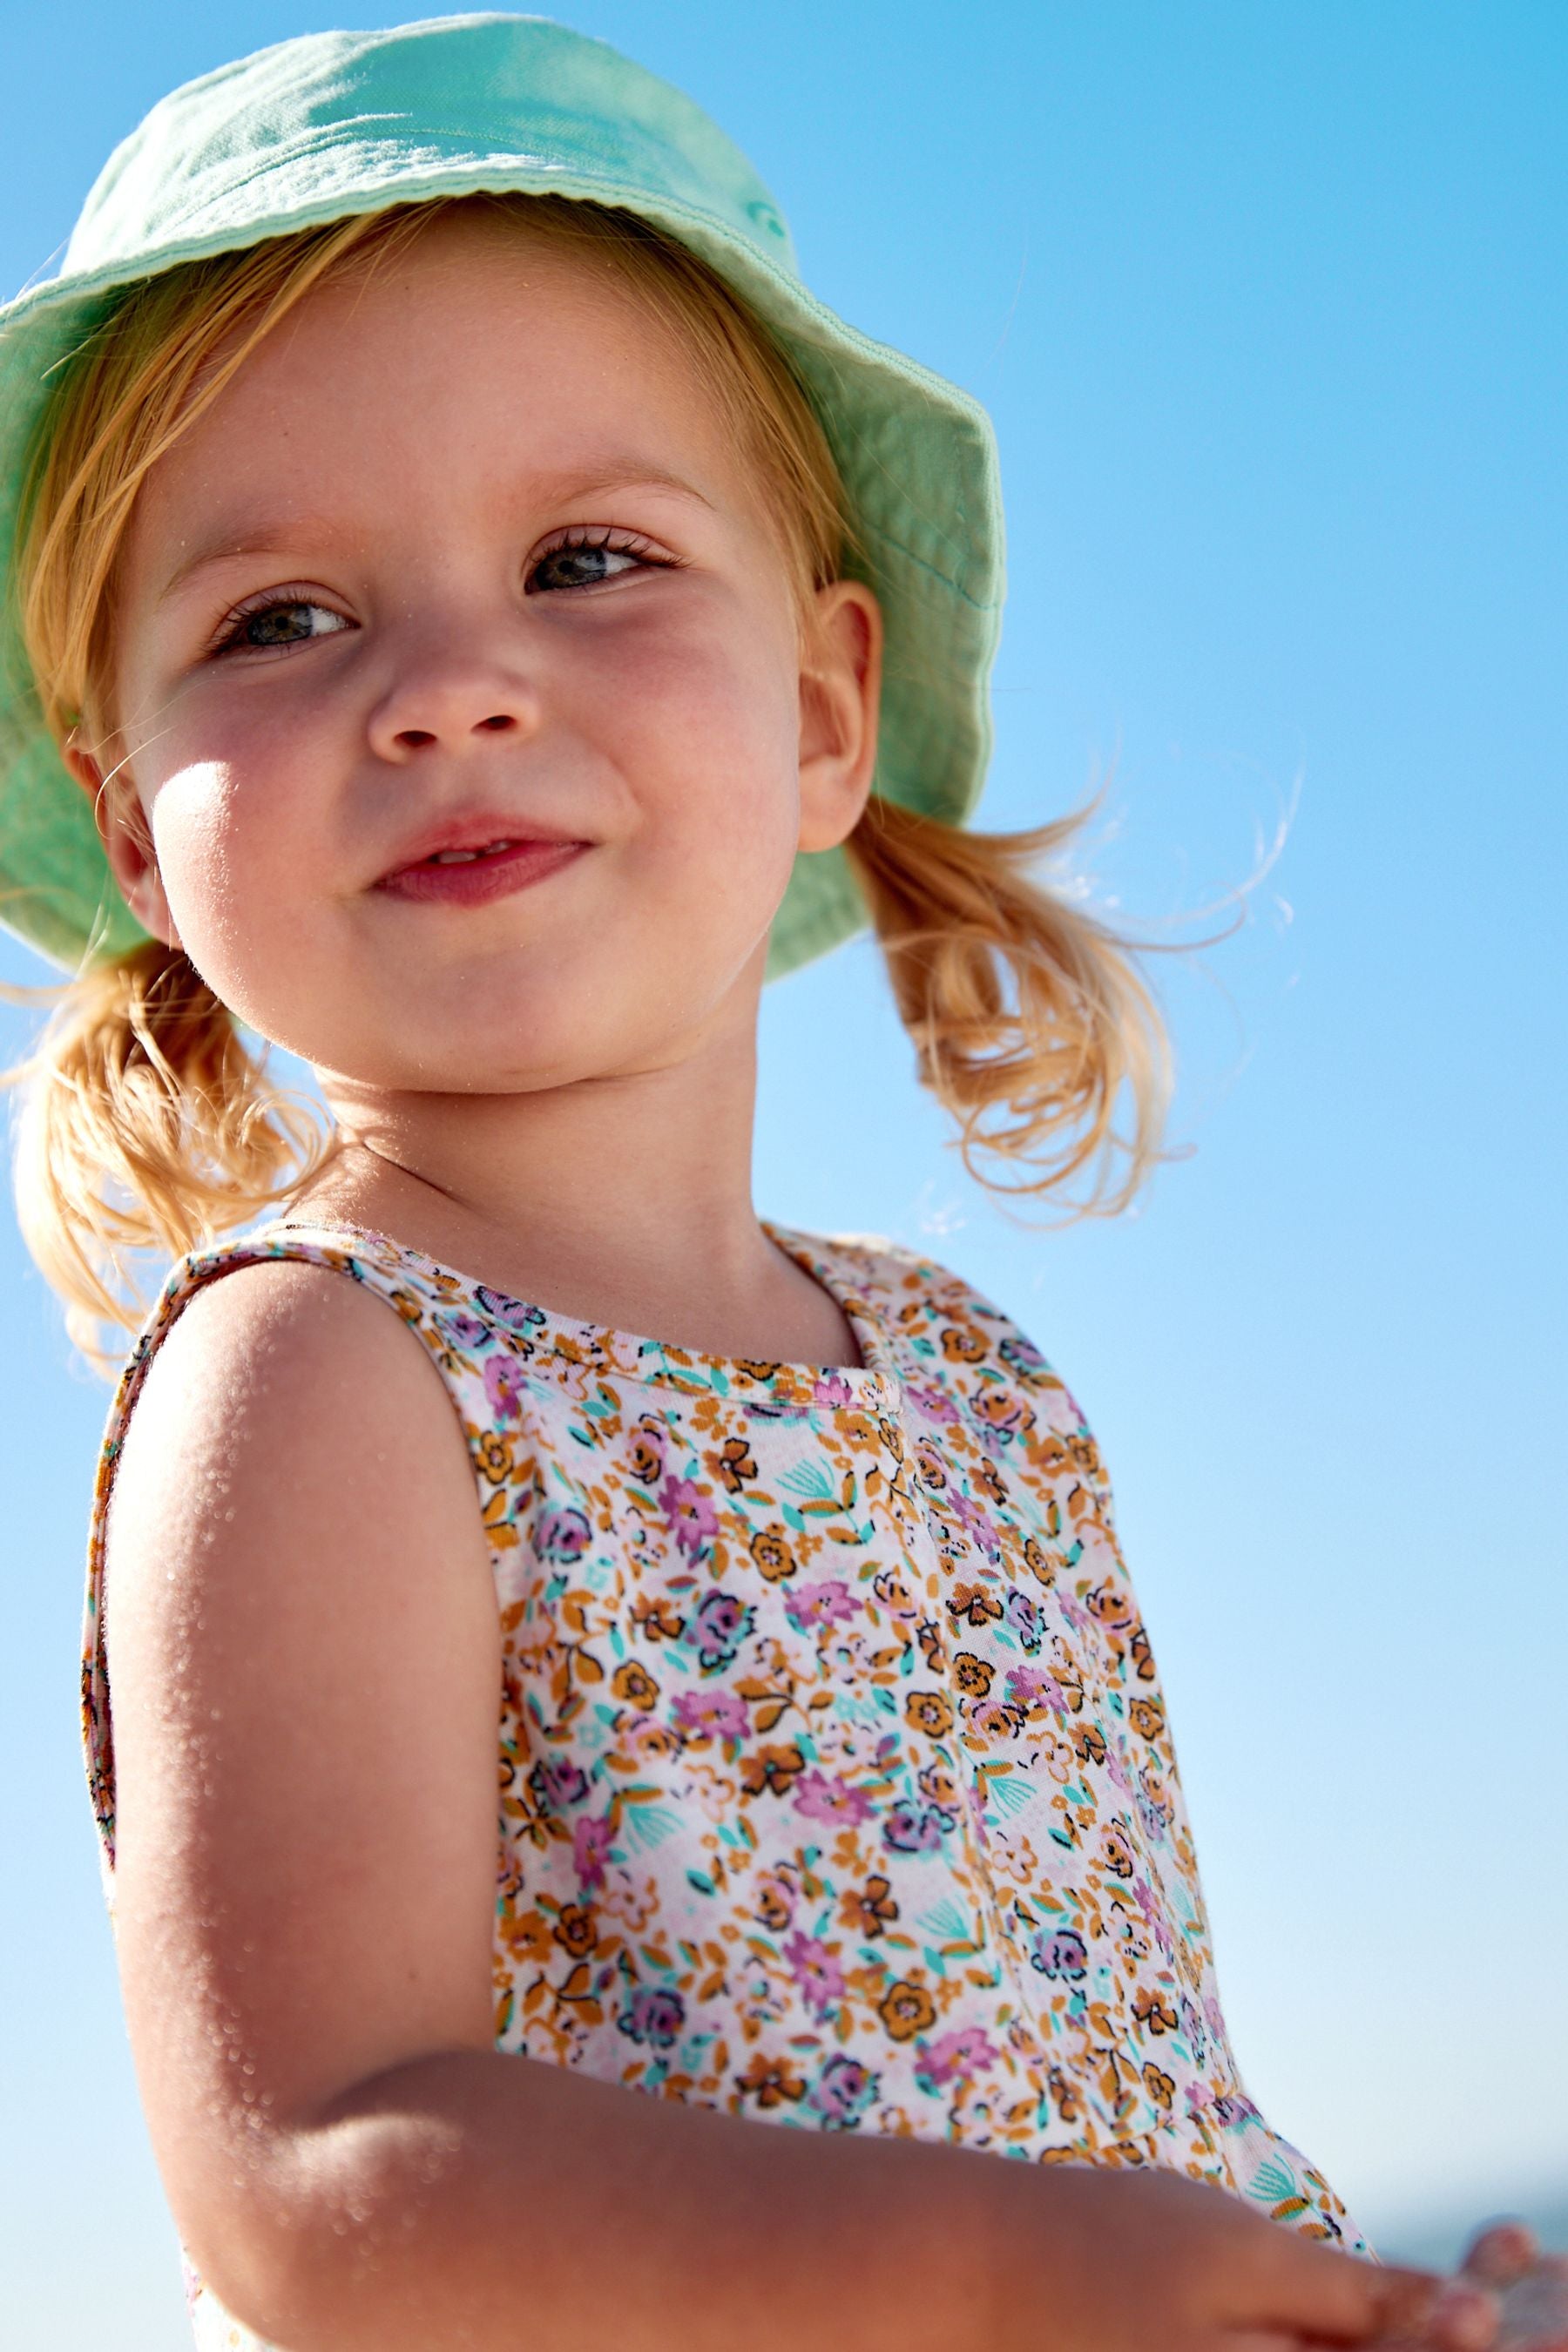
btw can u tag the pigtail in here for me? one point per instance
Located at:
(141, 1086)
(1028, 1015)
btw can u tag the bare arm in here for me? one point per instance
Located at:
(305, 1671)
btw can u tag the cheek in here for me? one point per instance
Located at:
(705, 727)
(227, 849)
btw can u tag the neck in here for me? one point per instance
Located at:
(624, 1201)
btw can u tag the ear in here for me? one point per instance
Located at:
(127, 845)
(840, 695)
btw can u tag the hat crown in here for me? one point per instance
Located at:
(481, 99)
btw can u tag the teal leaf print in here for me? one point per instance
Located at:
(651, 1824)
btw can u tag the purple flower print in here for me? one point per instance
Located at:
(1021, 1612)
(711, 1715)
(815, 1971)
(591, 1841)
(935, 1403)
(956, 2056)
(653, 2015)
(559, 1783)
(1063, 1954)
(842, 2092)
(1022, 1356)
(690, 1514)
(1026, 1684)
(1151, 1815)
(509, 1313)
(833, 1391)
(828, 1603)
(824, 1797)
(720, 1623)
(910, 1829)
(977, 1523)
(462, 1330)
(562, 1534)
(503, 1386)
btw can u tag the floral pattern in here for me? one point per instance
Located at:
(836, 1787)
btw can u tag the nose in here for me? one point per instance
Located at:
(449, 693)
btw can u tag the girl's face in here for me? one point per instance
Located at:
(466, 539)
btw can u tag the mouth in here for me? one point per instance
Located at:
(472, 876)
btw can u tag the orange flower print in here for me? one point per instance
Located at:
(976, 1602)
(658, 1618)
(1118, 1852)
(1038, 1560)
(1153, 2009)
(906, 2010)
(1158, 2084)
(963, 1346)
(1064, 2093)
(996, 1485)
(771, 1556)
(928, 1462)
(733, 1464)
(634, 1683)
(771, 1769)
(929, 1636)
(770, 2080)
(993, 1720)
(869, 1911)
(1113, 1605)
(1147, 1716)
(775, 1901)
(1089, 1741)
(1003, 1411)
(492, 1452)
(575, 1930)
(647, 1449)
(928, 1711)
(972, 1674)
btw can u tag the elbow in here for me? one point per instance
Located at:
(334, 2243)
(264, 2265)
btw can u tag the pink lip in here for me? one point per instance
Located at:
(473, 882)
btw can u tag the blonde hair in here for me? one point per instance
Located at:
(1028, 1016)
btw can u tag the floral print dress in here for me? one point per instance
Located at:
(836, 1788)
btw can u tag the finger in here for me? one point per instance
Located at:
(1501, 2253)
(1463, 2318)
(1535, 2310)
(1332, 2298)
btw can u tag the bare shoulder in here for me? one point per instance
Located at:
(258, 1351)
(304, 1672)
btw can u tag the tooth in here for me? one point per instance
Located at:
(454, 856)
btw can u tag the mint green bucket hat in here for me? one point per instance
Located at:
(334, 124)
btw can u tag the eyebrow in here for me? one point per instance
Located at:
(233, 539)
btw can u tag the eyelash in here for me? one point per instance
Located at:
(612, 542)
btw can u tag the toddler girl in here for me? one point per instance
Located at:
(479, 616)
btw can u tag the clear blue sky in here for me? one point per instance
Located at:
(1269, 305)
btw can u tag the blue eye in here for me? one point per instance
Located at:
(586, 564)
(285, 621)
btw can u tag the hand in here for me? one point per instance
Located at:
(1530, 2287)
(1125, 2262)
